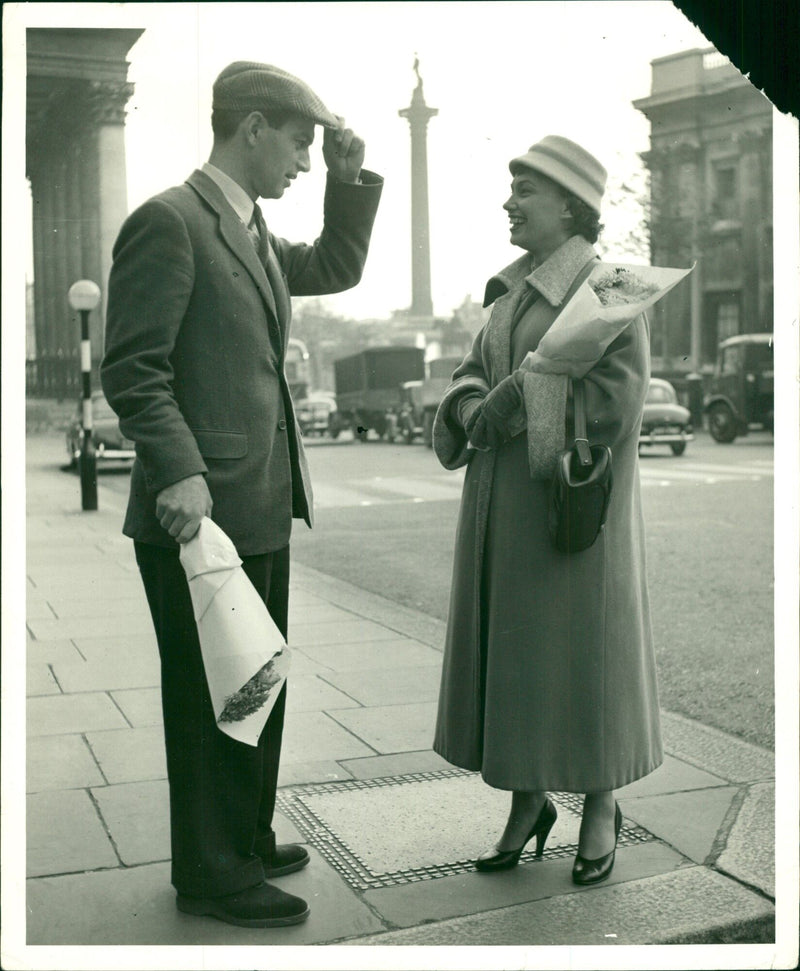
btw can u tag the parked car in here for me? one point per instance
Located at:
(315, 414)
(664, 421)
(742, 395)
(110, 445)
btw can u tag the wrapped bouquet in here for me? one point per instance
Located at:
(602, 307)
(245, 657)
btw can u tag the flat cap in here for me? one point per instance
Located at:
(250, 86)
(566, 163)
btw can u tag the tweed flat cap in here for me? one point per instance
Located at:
(250, 86)
(566, 163)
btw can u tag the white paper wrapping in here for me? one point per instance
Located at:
(579, 336)
(237, 635)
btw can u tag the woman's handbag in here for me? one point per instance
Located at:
(581, 486)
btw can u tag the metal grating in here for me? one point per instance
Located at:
(295, 802)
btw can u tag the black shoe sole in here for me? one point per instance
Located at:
(207, 908)
(280, 871)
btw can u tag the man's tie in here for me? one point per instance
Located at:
(259, 234)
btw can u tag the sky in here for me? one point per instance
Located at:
(502, 74)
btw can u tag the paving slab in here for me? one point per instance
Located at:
(69, 714)
(100, 588)
(303, 773)
(39, 680)
(137, 906)
(474, 893)
(136, 815)
(391, 728)
(301, 665)
(673, 775)
(401, 763)
(101, 625)
(404, 620)
(689, 821)
(311, 693)
(116, 670)
(370, 655)
(338, 632)
(47, 652)
(65, 834)
(685, 904)
(142, 647)
(60, 762)
(308, 613)
(140, 706)
(65, 608)
(749, 853)
(37, 607)
(314, 736)
(129, 754)
(395, 687)
(716, 751)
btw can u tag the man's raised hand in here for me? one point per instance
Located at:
(343, 152)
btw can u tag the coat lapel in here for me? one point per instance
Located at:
(235, 235)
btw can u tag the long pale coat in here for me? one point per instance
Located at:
(549, 675)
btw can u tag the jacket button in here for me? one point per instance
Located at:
(282, 424)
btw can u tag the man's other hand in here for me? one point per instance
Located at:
(343, 152)
(181, 506)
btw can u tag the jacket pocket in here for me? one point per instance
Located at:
(220, 445)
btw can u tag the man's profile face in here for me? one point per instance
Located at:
(280, 154)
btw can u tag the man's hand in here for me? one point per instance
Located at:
(343, 152)
(181, 506)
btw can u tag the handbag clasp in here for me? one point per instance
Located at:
(583, 450)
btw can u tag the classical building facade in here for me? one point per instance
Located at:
(710, 164)
(77, 89)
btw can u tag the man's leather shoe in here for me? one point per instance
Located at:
(285, 858)
(259, 906)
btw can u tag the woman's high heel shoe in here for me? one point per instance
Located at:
(585, 872)
(505, 859)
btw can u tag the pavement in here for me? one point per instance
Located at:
(391, 827)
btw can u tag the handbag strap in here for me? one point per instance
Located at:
(581, 439)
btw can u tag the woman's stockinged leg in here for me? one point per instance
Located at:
(597, 825)
(525, 809)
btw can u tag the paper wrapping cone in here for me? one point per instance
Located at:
(237, 635)
(579, 336)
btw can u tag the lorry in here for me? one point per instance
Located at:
(420, 399)
(368, 389)
(741, 395)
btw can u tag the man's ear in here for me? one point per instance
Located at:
(252, 125)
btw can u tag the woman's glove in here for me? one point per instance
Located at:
(467, 407)
(490, 428)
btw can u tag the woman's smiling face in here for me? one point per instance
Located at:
(538, 214)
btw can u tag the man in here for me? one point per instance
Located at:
(197, 328)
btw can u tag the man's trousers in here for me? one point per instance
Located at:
(222, 792)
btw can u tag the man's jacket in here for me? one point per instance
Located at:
(196, 336)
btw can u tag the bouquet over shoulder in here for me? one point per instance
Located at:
(611, 297)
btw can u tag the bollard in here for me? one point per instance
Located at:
(694, 384)
(84, 296)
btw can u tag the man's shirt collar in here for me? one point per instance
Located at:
(239, 200)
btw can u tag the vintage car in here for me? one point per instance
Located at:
(664, 421)
(109, 443)
(741, 396)
(314, 413)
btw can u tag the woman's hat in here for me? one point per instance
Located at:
(566, 163)
(250, 86)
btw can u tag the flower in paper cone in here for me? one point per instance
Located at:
(621, 286)
(253, 695)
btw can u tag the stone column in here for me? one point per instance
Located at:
(418, 115)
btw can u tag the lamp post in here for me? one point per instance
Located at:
(83, 296)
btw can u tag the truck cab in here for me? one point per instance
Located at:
(741, 395)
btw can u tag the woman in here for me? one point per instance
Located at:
(549, 676)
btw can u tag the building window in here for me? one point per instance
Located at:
(725, 204)
(727, 320)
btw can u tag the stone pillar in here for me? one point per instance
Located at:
(76, 97)
(418, 115)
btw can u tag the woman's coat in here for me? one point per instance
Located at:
(549, 675)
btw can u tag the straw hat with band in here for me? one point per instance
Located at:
(566, 163)
(250, 86)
